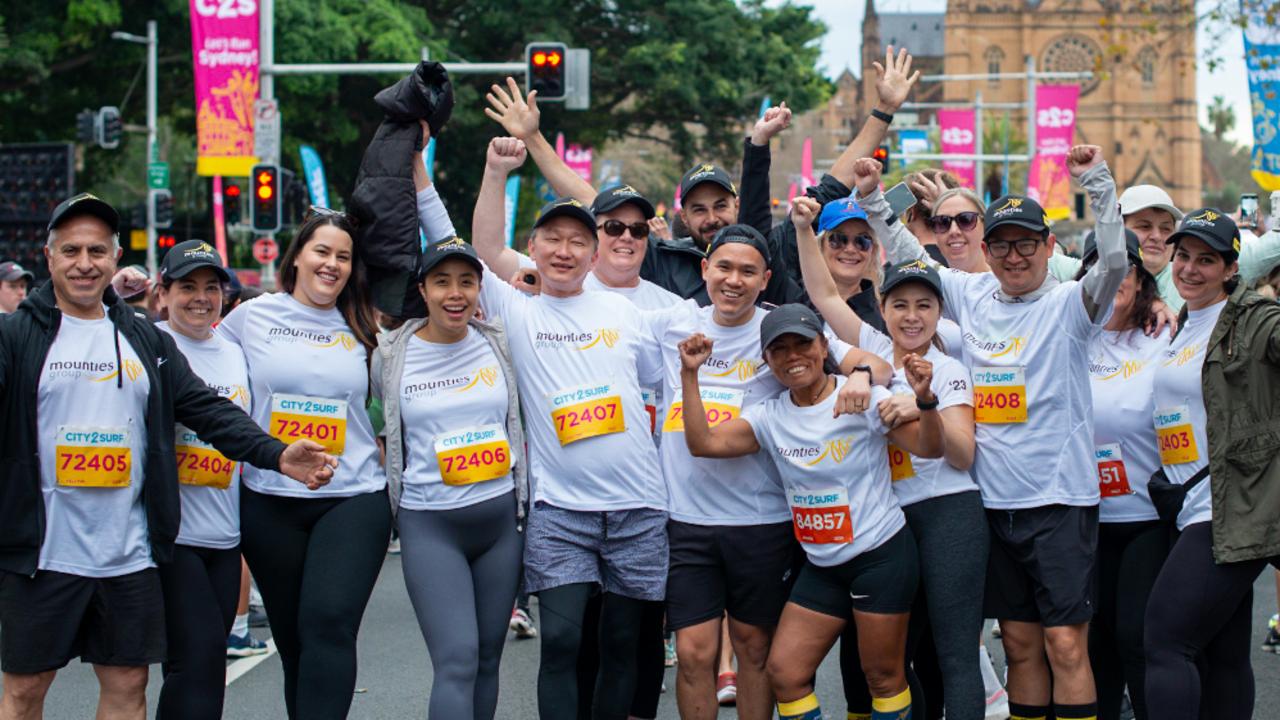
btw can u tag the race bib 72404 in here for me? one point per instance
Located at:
(199, 464)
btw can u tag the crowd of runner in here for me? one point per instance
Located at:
(860, 424)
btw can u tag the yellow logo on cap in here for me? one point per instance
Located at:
(454, 241)
(1208, 215)
(917, 266)
(1235, 244)
(1013, 203)
(625, 189)
(705, 167)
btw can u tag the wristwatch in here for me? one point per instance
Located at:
(883, 117)
(863, 368)
(932, 405)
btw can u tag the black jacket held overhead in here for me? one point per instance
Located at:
(176, 394)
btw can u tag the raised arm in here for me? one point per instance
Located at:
(754, 204)
(818, 282)
(899, 244)
(894, 81)
(433, 218)
(1259, 256)
(733, 438)
(1103, 279)
(923, 437)
(489, 221)
(519, 116)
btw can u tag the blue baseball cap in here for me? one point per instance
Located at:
(838, 211)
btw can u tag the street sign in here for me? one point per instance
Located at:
(158, 175)
(266, 130)
(265, 250)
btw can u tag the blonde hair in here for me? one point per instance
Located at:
(963, 192)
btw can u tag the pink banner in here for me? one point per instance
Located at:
(578, 159)
(806, 165)
(1048, 182)
(958, 137)
(224, 45)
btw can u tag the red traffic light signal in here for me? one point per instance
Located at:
(266, 198)
(882, 154)
(545, 69)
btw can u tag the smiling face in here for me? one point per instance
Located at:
(621, 256)
(1019, 275)
(564, 252)
(961, 248)
(82, 259)
(324, 265)
(194, 303)
(706, 209)
(452, 293)
(911, 313)
(849, 264)
(735, 275)
(12, 293)
(1200, 273)
(797, 361)
(1153, 227)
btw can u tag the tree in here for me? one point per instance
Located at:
(1221, 116)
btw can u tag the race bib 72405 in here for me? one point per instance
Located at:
(92, 457)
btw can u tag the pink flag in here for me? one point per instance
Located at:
(806, 165)
(560, 145)
(219, 222)
(578, 159)
(958, 137)
(1048, 182)
(224, 43)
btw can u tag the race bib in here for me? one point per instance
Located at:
(1113, 481)
(97, 457)
(651, 407)
(1175, 437)
(821, 517)
(473, 455)
(900, 464)
(586, 411)
(1000, 395)
(720, 404)
(303, 417)
(198, 463)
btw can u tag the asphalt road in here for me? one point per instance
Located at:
(395, 675)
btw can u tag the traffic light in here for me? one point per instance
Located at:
(111, 127)
(882, 154)
(546, 69)
(266, 198)
(34, 178)
(231, 203)
(86, 121)
(166, 241)
(163, 200)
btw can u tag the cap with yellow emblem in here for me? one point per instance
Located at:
(187, 257)
(1016, 210)
(566, 207)
(703, 173)
(1215, 228)
(454, 247)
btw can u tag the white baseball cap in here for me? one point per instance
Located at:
(1141, 197)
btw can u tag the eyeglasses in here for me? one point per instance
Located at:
(966, 221)
(1026, 247)
(615, 228)
(838, 241)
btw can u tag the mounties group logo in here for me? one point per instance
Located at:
(132, 369)
(834, 450)
(606, 337)
(1110, 371)
(314, 338)
(486, 375)
(1182, 357)
(1011, 206)
(1011, 346)
(743, 368)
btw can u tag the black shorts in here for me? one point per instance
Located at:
(880, 581)
(47, 620)
(747, 570)
(1042, 565)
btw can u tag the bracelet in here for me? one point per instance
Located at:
(927, 405)
(883, 117)
(862, 368)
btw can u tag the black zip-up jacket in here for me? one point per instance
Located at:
(176, 394)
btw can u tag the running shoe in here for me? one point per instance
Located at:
(393, 547)
(727, 689)
(669, 651)
(239, 646)
(1271, 643)
(522, 625)
(995, 628)
(998, 706)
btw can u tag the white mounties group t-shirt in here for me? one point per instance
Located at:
(310, 380)
(583, 360)
(1122, 370)
(835, 472)
(93, 452)
(915, 478)
(1032, 404)
(209, 483)
(453, 408)
(1180, 435)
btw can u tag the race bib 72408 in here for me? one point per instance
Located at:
(1000, 395)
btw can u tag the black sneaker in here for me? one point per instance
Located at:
(1271, 643)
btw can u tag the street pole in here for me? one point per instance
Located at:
(153, 148)
(978, 176)
(267, 91)
(1032, 82)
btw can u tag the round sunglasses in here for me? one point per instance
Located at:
(966, 221)
(615, 228)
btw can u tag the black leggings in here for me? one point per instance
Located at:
(1130, 555)
(562, 611)
(315, 561)
(650, 654)
(1197, 633)
(201, 588)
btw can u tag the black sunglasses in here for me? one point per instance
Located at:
(1026, 247)
(615, 228)
(966, 221)
(838, 241)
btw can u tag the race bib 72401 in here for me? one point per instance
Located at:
(304, 417)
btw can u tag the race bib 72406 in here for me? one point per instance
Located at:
(473, 455)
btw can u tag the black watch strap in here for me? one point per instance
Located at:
(884, 117)
(927, 405)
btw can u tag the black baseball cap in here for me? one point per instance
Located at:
(1215, 228)
(11, 271)
(1131, 246)
(706, 172)
(187, 257)
(914, 271)
(1016, 210)
(566, 207)
(617, 196)
(454, 247)
(744, 234)
(789, 319)
(85, 204)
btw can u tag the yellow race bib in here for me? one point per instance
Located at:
(473, 455)
(900, 464)
(93, 457)
(303, 417)
(586, 411)
(720, 405)
(1000, 395)
(199, 464)
(1175, 437)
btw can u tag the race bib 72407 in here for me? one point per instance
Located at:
(304, 417)
(1000, 395)
(92, 457)
(586, 411)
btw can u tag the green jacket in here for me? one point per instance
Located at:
(1241, 382)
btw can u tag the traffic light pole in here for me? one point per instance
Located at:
(152, 41)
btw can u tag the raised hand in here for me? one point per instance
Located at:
(517, 114)
(894, 80)
(774, 121)
(694, 351)
(308, 463)
(804, 210)
(919, 375)
(866, 175)
(659, 227)
(1083, 157)
(505, 154)
(897, 410)
(926, 188)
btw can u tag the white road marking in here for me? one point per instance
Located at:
(238, 668)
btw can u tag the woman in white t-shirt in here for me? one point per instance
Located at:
(314, 553)
(835, 470)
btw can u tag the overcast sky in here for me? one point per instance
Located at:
(842, 48)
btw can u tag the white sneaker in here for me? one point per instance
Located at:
(995, 629)
(998, 705)
(522, 625)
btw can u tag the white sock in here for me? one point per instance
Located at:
(255, 599)
(990, 682)
(240, 627)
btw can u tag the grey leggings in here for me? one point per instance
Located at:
(462, 569)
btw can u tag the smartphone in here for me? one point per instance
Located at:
(900, 198)
(1248, 204)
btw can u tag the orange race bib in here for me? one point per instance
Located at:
(303, 417)
(93, 457)
(585, 412)
(473, 455)
(720, 405)
(198, 463)
(1000, 395)
(821, 517)
(1175, 437)
(1113, 481)
(900, 464)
